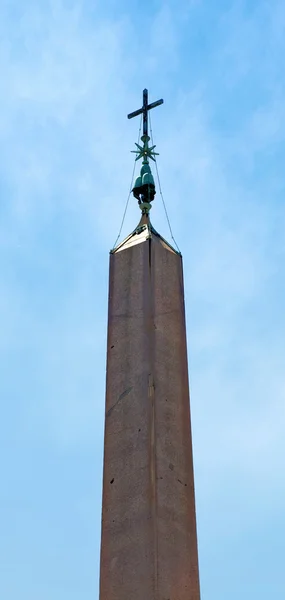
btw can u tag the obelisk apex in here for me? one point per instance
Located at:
(149, 539)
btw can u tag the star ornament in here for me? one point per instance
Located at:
(145, 152)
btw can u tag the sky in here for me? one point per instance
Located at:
(71, 70)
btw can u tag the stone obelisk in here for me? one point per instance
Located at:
(149, 539)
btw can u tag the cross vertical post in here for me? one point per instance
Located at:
(145, 115)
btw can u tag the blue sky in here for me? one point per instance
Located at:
(70, 73)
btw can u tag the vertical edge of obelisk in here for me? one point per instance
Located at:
(126, 569)
(110, 287)
(178, 573)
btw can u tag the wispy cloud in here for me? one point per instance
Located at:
(72, 71)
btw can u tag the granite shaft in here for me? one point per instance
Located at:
(149, 538)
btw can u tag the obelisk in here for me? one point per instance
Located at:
(149, 539)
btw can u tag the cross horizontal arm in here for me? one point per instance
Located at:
(154, 104)
(141, 110)
(135, 113)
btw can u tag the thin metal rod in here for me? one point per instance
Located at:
(160, 190)
(128, 198)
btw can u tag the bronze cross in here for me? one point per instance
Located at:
(144, 110)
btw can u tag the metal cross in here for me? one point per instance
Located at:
(144, 110)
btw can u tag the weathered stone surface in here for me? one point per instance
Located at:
(149, 541)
